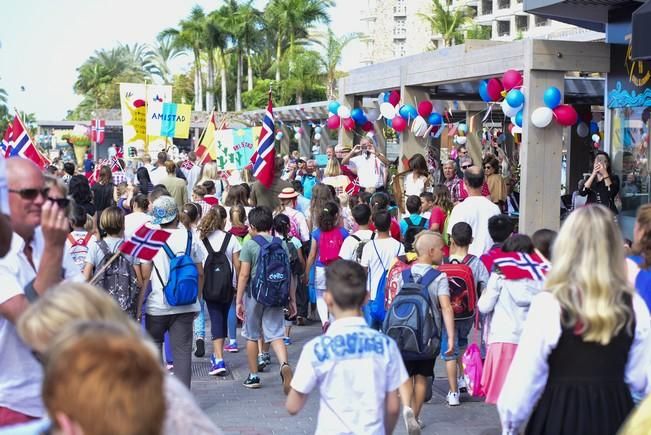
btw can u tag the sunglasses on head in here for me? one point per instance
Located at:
(60, 202)
(30, 194)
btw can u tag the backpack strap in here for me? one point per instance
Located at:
(429, 277)
(103, 246)
(73, 242)
(225, 243)
(423, 222)
(373, 235)
(378, 255)
(408, 221)
(467, 258)
(188, 245)
(208, 246)
(355, 237)
(407, 276)
(87, 238)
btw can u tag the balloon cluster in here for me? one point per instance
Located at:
(506, 92)
(564, 113)
(342, 115)
(584, 128)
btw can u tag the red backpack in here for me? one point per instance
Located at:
(329, 245)
(463, 295)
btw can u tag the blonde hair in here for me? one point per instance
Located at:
(588, 276)
(333, 168)
(210, 223)
(55, 182)
(209, 171)
(64, 304)
(112, 220)
(425, 240)
(237, 214)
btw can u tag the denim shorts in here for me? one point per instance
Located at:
(461, 330)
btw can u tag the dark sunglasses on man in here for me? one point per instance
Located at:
(31, 194)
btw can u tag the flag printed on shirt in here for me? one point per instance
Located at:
(263, 158)
(145, 243)
(518, 265)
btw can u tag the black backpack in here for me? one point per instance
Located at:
(412, 230)
(218, 274)
(360, 246)
(294, 262)
(119, 279)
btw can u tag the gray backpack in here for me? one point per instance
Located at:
(119, 279)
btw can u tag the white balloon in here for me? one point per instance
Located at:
(297, 136)
(508, 110)
(373, 115)
(387, 110)
(542, 117)
(596, 138)
(582, 129)
(317, 136)
(343, 112)
(516, 129)
(419, 126)
(460, 140)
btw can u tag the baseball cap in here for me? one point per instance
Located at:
(164, 210)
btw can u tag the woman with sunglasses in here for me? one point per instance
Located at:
(495, 181)
(465, 163)
(57, 192)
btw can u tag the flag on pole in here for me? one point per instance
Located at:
(22, 145)
(263, 158)
(6, 142)
(97, 128)
(145, 243)
(206, 150)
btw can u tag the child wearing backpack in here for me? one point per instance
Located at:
(412, 224)
(79, 238)
(358, 384)
(424, 292)
(353, 245)
(222, 262)
(326, 244)
(122, 279)
(282, 225)
(467, 276)
(263, 291)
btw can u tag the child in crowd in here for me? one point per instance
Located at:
(381, 201)
(372, 374)
(461, 238)
(240, 231)
(326, 243)
(500, 227)
(353, 245)
(348, 222)
(543, 240)
(122, 196)
(412, 224)
(80, 238)
(427, 202)
(198, 194)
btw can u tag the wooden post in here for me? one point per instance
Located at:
(346, 138)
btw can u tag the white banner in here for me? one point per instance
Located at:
(134, 98)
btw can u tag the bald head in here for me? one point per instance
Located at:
(474, 178)
(18, 168)
(428, 241)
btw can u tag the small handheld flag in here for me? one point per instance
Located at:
(145, 243)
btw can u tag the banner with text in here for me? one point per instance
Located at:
(134, 99)
(235, 147)
(169, 119)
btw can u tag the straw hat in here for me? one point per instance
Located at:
(288, 193)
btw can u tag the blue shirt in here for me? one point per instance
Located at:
(643, 281)
(415, 220)
(302, 204)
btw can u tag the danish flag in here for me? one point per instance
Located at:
(97, 127)
(145, 243)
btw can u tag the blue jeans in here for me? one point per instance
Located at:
(200, 321)
(232, 322)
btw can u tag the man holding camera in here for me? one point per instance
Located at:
(369, 164)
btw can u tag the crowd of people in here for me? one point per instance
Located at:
(399, 270)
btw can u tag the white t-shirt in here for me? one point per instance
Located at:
(413, 185)
(216, 239)
(475, 211)
(79, 251)
(4, 191)
(133, 221)
(156, 303)
(157, 175)
(348, 249)
(96, 255)
(377, 257)
(350, 360)
(191, 176)
(301, 223)
(370, 171)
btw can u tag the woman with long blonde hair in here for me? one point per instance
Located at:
(210, 171)
(586, 342)
(334, 177)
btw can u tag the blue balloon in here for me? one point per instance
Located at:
(386, 97)
(357, 114)
(515, 98)
(435, 119)
(552, 97)
(389, 122)
(333, 106)
(483, 91)
(594, 127)
(518, 119)
(361, 120)
(408, 111)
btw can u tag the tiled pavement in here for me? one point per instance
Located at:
(238, 410)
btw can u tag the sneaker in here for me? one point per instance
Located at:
(231, 347)
(217, 367)
(413, 428)
(461, 383)
(251, 381)
(262, 363)
(267, 358)
(286, 375)
(200, 350)
(287, 341)
(453, 398)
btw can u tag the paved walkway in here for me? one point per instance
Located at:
(238, 410)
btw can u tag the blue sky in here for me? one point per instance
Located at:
(44, 41)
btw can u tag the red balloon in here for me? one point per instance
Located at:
(368, 126)
(399, 123)
(566, 115)
(495, 89)
(394, 98)
(512, 79)
(333, 122)
(425, 108)
(349, 124)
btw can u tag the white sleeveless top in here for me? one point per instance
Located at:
(413, 185)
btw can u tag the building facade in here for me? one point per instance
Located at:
(394, 28)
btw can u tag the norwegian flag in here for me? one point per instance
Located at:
(145, 243)
(97, 127)
(263, 158)
(6, 146)
(518, 265)
(22, 145)
(114, 162)
(187, 165)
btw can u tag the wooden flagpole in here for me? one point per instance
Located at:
(30, 138)
(222, 123)
(101, 271)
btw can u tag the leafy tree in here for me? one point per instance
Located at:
(331, 57)
(161, 54)
(478, 31)
(303, 74)
(183, 85)
(447, 22)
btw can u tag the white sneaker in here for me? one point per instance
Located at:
(453, 398)
(461, 384)
(413, 428)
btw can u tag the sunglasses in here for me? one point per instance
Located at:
(30, 194)
(465, 166)
(60, 202)
(488, 167)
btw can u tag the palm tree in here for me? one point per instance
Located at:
(447, 23)
(190, 35)
(251, 24)
(231, 22)
(161, 54)
(305, 72)
(215, 40)
(333, 50)
(291, 20)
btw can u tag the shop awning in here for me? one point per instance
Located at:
(641, 23)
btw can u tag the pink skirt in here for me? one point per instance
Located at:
(496, 367)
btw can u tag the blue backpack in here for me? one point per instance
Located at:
(378, 310)
(309, 181)
(182, 286)
(270, 285)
